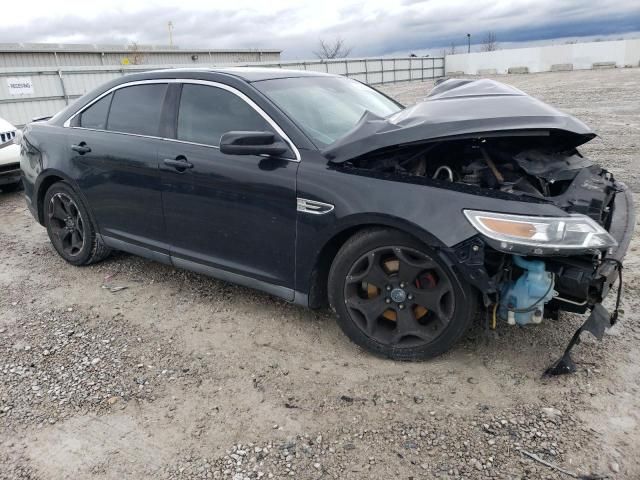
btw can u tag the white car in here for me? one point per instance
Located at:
(9, 158)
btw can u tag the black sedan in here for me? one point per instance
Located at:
(320, 190)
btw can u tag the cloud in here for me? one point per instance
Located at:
(372, 27)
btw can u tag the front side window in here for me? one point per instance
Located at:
(326, 108)
(96, 115)
(137, 109)
(207, 112)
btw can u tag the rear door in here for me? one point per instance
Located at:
(114, 144)
(235, 213)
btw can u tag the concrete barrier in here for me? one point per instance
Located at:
(598, 65)
(487, 71)
(562, 67)
(518, 70)
(581, 56)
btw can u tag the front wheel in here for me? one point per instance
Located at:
(396, 297)
(70, 227)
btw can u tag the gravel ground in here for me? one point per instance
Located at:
(178, 376)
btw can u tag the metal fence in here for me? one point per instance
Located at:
(26, 93)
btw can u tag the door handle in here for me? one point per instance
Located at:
(81, 148)
(179, 164)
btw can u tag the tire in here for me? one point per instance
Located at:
(11, 187)
(383, 309)
(70, 227)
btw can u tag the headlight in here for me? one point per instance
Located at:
(541, 234)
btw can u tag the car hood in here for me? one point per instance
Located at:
(461, 108)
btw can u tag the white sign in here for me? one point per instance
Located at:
(20, 86)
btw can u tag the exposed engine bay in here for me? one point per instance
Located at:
(527, 167)
(510, 165)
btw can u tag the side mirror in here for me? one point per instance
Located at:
(251, 143)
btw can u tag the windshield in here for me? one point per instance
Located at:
(326, 108)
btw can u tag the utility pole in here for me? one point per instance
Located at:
(468, 43)
(170, 27)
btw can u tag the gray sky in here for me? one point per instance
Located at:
(372, 27)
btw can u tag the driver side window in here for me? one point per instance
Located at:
(206, 112)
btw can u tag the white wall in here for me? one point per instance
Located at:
(540, 59)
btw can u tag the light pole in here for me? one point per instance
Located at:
(468, 43)
(170, 27)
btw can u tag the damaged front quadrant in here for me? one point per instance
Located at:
(482, 137)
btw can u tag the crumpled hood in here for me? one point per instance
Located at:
(457, 108)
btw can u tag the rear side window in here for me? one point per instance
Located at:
(96, 115)
(207, 112)
(137, 109)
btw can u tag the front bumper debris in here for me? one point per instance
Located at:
(623, 222)
(581, 285)
(596, 323)
(622, 226)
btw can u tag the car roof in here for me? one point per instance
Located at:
(249, 74)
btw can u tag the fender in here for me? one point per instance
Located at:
(377, 219)
(41, 185)
(315, 253)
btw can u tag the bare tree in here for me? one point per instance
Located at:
(489, 43)
(332, 49)
(452, 49)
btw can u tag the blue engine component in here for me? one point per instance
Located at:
(522, 301)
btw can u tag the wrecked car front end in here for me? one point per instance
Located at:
(487, 139)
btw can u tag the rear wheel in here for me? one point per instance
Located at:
(70, 227)
(396, 297)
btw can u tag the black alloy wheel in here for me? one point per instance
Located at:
(70, 226)
(66, 223)
(397, 297)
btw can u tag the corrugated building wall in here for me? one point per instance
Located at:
(50, 89)
(63, 55)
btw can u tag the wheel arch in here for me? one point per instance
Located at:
(44, 182)
(318, 293)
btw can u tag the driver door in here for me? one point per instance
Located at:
(231, 216)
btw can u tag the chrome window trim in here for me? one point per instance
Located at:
(251, 103)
